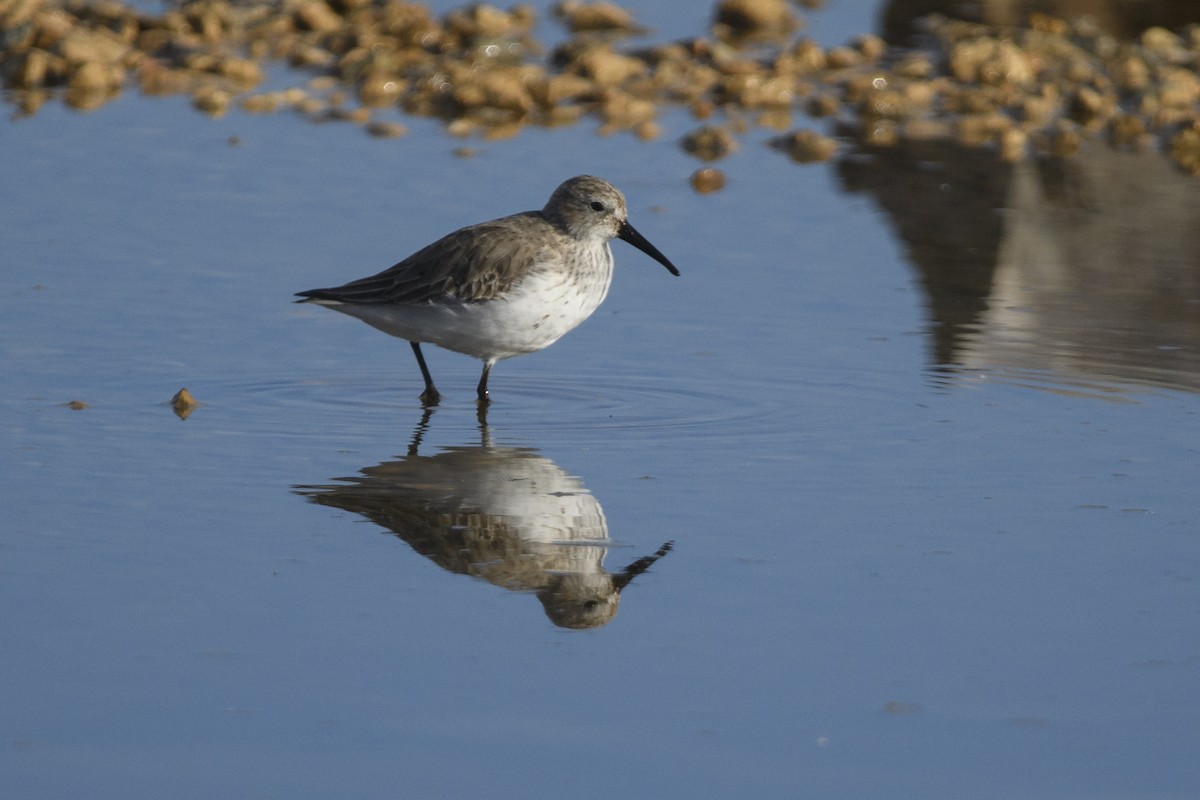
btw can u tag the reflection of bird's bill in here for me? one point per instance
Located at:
(626, 575)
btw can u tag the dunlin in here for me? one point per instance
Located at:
(502, 288)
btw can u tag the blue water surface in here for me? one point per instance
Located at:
(895, 573)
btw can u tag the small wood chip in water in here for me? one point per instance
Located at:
(183, 403)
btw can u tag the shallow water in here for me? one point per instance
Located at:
(928, 466)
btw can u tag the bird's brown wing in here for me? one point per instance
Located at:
(479, 262)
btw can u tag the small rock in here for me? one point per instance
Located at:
(607, 68)
(1185, 149)
(260, 103)
(805, 146)
(314, 15)
(916, 66)
(183, 404)
(1127, 130)
(581, 17)
(1164, 44)
(379, 90)
(707, 180)
(212, 100)
(870, 45)
(823, 105)
(386, 130)
(1062, 140)
(90, 76)
(884, 104)
(1089, 107)
(709, 143)
(843, 58)
(1013, 143)
(755, 18)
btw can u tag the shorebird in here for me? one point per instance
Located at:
(502, 288)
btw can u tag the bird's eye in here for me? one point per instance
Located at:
(597, 205)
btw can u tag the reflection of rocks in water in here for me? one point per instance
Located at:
(1124, 19)
(507, 515)
(1089, 267)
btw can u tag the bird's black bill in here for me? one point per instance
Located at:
(628, 233)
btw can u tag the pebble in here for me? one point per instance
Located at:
(183, 403)
(707, 180)
(806, 146)
(754, 18)
(386, 129)
(606, 17)
(709, 142)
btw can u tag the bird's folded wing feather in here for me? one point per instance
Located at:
(480, 262)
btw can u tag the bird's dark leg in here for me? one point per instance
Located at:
(430, 396)
(481, 390)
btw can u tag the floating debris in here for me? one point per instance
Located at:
(76, 405)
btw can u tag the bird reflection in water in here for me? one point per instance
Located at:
(507, 515)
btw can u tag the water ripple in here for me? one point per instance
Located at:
(637, 406)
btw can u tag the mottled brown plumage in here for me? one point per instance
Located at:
(472, 264)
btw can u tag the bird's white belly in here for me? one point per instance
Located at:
(534, 315)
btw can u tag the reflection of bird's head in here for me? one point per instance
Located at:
(588, 600)
(580, 600)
